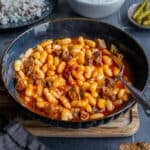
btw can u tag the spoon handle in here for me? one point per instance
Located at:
(140, 97)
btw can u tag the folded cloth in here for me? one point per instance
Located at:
(15, 137)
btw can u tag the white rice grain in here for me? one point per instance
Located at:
(14, 11)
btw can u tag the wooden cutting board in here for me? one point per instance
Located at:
(125, 125)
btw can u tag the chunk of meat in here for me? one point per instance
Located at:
(41, 82)
(66, 73)
(84, 115)
(109, 82)
(95, 109)
(21, 85)
(57, 52)
(74, 93)
(34, 76)
(28, 66)
(76, 113)
(97, 57)
(106, 91)
(89, 61)
(65, 55)
(101, 43)
(55, 111)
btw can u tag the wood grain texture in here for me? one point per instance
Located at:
(135, 146)
(125, 125)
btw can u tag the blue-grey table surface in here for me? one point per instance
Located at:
(120, 20)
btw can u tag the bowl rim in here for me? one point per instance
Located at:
(103, 3)
(67, 124)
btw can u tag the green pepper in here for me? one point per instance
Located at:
(113, 49)
(138, 21)
(49, 83)
(146, 7)
(82, 92)
(139, 9)
(146, 23)
(144, 15)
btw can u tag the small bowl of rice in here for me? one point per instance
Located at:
(95, 8)
(14, 13)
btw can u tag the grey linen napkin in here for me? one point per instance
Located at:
(13, 136)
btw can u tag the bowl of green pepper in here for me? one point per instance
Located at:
(139, 14)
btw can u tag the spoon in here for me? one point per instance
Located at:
(139, 95)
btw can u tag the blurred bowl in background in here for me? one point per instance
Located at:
(131, 11)
(95, 8)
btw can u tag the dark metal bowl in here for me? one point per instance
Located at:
(74, 27)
